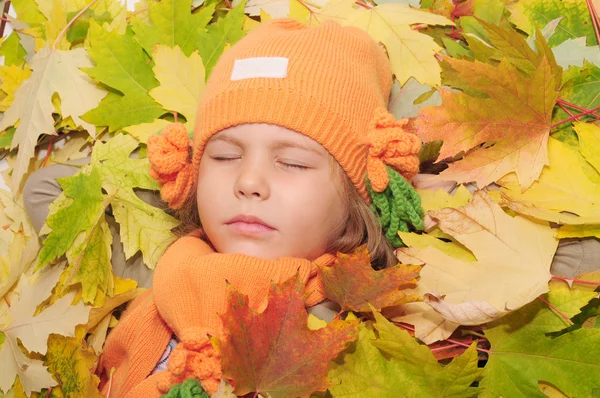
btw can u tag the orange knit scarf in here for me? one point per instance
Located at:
(189, 291)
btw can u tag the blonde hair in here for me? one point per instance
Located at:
(359, 226)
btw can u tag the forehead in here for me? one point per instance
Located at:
(266, 134)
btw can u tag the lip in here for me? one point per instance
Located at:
(249, 225)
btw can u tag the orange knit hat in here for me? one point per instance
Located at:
(328, 82)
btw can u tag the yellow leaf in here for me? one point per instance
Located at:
(71, 364)
(250, 24)
(298, 11)
(512, 268)
(435, 200)
(589, 142)
(33, 331)
(315, 323)
(12, 77)
(453, 249)
(563, 186)
(578, 231)
(142, 132)
(181, 81)
(411, 53)
(53, 72)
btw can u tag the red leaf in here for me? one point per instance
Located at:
(274, 352)
(352, 282)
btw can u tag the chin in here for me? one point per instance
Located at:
(251, 249)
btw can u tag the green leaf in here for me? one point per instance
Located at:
(90, 261)
(28, 11)
(173, 24)
(143, 227)
(13, 51)
(79, 214)
(521, 354)
(122, 64)
(581, 90)
(576, 22)
(227, 30)
(411, 371)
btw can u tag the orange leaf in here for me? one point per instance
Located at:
(275, 353)
(514, 114)
(352, 282)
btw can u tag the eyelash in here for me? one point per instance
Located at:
(289, 165)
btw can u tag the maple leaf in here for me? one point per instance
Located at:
(142, 226)
(72, 365)
(12, 77)
(402, 99)
(52, 72)
(121, 63)
(519, 131)
(410, 371)
(411, 53)
(574, 52)
(522, 353)
(576, 22)
(563, 186)
(509, 272)
(75, 216)
(33, 331)
(172, 24)
(181, 81)
(275, 352)
(12, 50)
(354, 284)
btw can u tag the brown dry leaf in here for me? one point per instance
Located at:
(512, 268)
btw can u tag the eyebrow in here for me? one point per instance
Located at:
(280, 144)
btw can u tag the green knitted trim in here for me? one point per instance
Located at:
(190, 388)
(398, 207)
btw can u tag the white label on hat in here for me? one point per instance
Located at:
(249, 68)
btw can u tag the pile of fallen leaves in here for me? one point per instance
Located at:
(505, 97)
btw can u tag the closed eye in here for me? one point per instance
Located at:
(295, 166)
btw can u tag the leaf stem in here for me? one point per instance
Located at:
(574, 106)
(559, 312)
(48, 151)
(67, 163)
(590, 111)
(136, 13)
(71, 22)
(595, 19)
(581, 281)
(365, 5)
(404, 326)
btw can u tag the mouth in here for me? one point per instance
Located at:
(249, 225)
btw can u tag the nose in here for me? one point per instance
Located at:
(252, 183)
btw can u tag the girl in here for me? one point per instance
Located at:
(292, 143)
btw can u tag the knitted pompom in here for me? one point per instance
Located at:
(390, 145)
(193, 357)
(169, 156)
(190, 388)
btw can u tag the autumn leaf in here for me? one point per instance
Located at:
(181, 81)
(72, 365)
(12, 77)
(80, 214)
(563, 186)
(411, 53)
(576, 22)
(403, 98)
(143, 227)
(121, 63)
(33, 331)
(12, 50)
(354, 284)
(522, 353)
(274, 353)
(52, 72)
(410, 371)
(580, 88)
(172, 24)
(512, 268)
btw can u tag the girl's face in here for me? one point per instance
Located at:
(268, 191)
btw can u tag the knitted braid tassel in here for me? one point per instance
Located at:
(190, 388)
(398, 207)
(392, 162)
